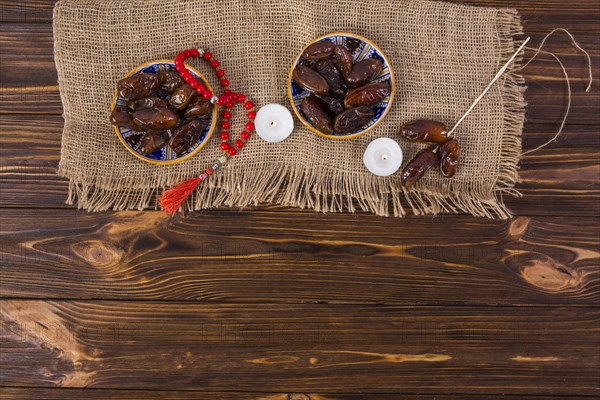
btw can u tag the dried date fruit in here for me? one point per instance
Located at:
(156, 119)
(186, 136)
(367, 95)
(146, 102)
(119, 116)
(350, 121)
(170, 80)
(305, 62)
(310, 80)
(198, 107)
(316, 115)
(425, 131)
(138, 85)
(448, 154)
(343, 58)
(181, 97)
(319, 50)
(153, 141)
(331, 105)
(122, 118)
(206, 119)
(417, 167)
(328, 70)
(364, 71)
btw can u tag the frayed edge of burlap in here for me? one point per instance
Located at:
(302, 188)
(513, 99)
(335, 191)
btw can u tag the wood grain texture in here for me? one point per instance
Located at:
(292, 257)
(277, 304)
(563, 179)
(299, 348)
(108, 394)
(29, 79)
(29, 184)
(538, 15)
(112, 345)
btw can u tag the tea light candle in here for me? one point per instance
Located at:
(383, 156)
(274, 123)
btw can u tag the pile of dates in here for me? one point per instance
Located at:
(164, 109)
(341, 91)
(444, 153)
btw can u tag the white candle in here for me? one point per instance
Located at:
(383, 157)
(274, 123)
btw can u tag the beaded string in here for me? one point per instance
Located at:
(173, 199)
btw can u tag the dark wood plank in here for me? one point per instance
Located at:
(29, 11)
(29, 80)
(549, 178)
(108, 394)
(17, 127)
(543, 15)
(312, 348)
(546, 98)
(563, 179)
(340, 258)
(41, 135)
(34, 184)
(24, 39)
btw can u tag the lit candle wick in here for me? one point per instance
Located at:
(274, 123)
(383, 156)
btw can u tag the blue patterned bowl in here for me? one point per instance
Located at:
(132, 139)
(361, 48)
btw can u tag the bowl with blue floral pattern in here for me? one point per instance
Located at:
(341, 85)
(133, 139)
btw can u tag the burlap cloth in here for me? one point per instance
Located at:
(443, 55)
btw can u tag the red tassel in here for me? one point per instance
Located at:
(173, 199)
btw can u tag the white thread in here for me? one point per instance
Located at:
(577, 46)
(537, 51)
(566, 114)
(489, 86)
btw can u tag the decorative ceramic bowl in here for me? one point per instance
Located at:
(132, 139)
(361, 48)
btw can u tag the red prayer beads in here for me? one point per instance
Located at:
(174, 198)
(228, 100)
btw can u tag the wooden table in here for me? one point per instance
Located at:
(281, 304)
